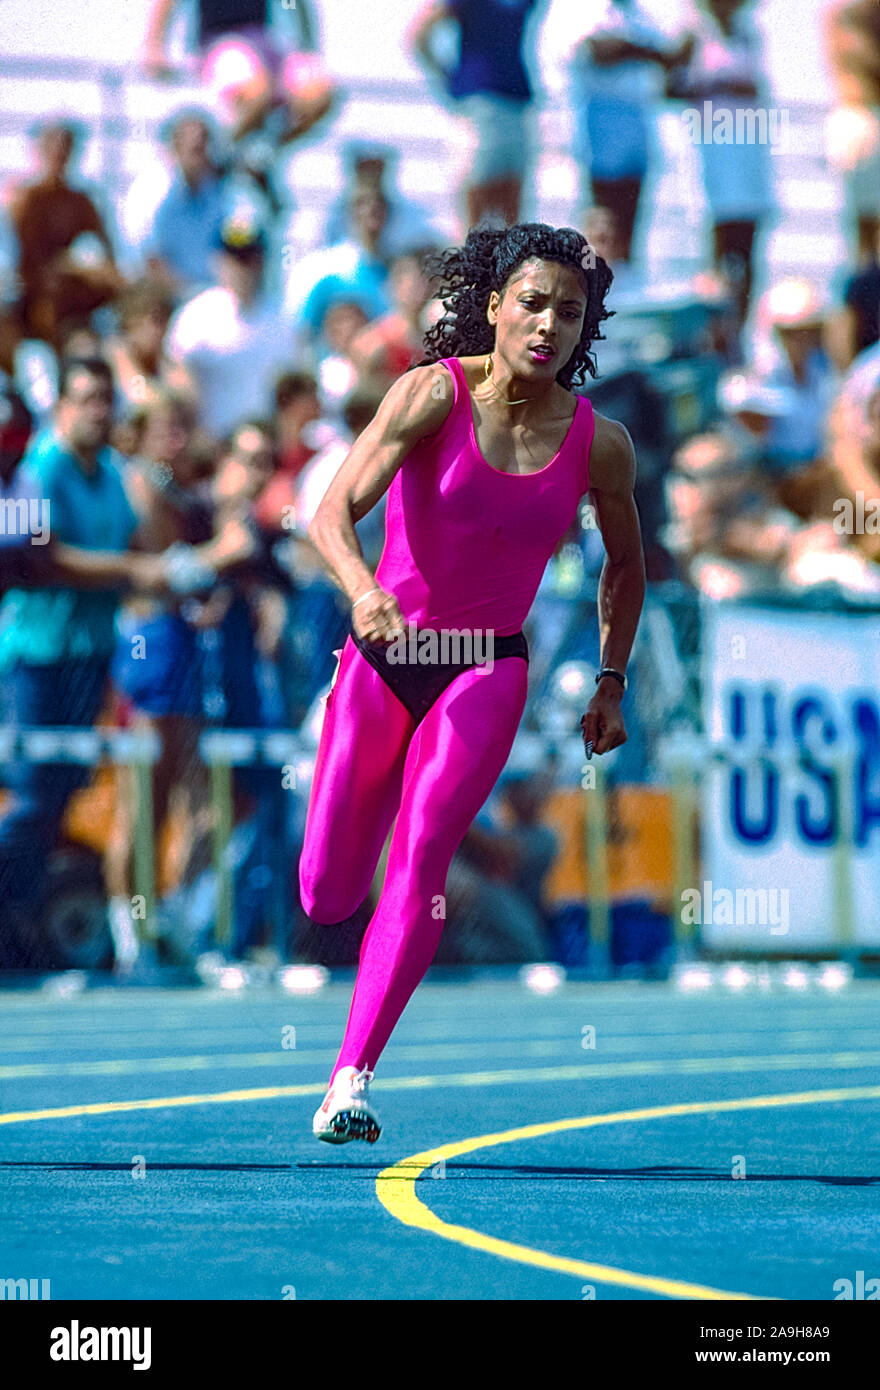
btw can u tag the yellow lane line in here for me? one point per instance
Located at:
(526, 1076)
(395, 1188)
(658, 1066)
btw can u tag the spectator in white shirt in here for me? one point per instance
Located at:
(232, 339)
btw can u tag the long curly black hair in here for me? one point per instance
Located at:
(468, 274)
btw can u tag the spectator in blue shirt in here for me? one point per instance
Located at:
(56, 638)
(490, 86)
(187, 223)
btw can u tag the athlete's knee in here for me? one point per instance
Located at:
(324, 901)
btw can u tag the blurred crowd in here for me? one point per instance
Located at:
(176, 395)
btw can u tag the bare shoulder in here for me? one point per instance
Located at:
(612, 457)
(418, 403)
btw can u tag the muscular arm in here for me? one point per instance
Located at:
(416, 405)
(622, 581)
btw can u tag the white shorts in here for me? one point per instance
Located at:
(495, 137)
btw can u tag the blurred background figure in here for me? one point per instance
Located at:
(729, 535)
(854, 453)
(495, 891)
(852, 131)
(254, 604)
(255, 58)
(490, 87)
(614, 54)
(856, 326)
(372, 168)
(320, 620)
(10, 291)
(180, 244)
(20, 561)
(247, 624)
(66, 263)
(344, 321)
(141, 366)
(232, 339)
(602, 228)
(353, 269)
(722, 65)
(392, 343)
(795, 314)
(156, 666)
(297, 407)
(57, 639)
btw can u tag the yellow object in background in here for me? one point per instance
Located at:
(640, 845)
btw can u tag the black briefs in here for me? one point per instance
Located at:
(418, 686)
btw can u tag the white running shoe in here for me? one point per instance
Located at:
(346, 1113)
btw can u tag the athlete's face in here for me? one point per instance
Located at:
(538, 319)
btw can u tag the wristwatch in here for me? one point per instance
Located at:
(610, 671)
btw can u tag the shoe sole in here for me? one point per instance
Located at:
(350, 1124)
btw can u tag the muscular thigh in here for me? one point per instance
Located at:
(457, 754)
(359, 766)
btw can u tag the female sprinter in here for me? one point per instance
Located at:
(486, 453)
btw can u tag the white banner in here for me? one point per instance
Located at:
(792, 701)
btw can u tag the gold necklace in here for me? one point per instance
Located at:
(491, 381)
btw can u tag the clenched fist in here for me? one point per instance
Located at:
(378, 618)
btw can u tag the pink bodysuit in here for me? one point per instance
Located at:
(466, 547)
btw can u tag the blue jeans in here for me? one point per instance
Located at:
(60, 693)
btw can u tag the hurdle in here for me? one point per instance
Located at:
(139, 750)
(222, 750)
(136, 749)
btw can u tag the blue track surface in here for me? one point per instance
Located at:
(238, 1201)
